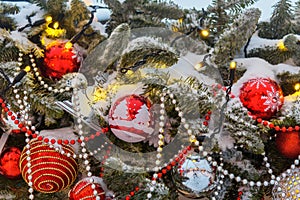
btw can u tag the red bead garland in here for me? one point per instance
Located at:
(276, 128)
(42, 138)
(162, 171)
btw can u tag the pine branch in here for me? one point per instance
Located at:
(104, 56)
(235, 6)
(21, 41)
(281, 19)
(271, 54)
(6, 9)
(5, 21)
(53, 7)
(8, 51)
(141, 13)
(235, 37)
(287, 82)
(245, 133)
(149, 50)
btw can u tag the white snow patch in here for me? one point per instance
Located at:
(141, 42)
(26, 9)
(184, 68)
(99, 27)
(258, 42)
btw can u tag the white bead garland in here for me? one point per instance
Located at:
(81, 137)
(38, 76)
(25, 110)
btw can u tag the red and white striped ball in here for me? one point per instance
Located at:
(130, 118)
(83, 190)
(51, 171)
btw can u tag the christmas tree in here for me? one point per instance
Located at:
(156, 102)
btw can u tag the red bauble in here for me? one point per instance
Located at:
(50, 170)
(9, 163)
(59, 60)
(130, 118)
(288, 143)
(263, 97)
(83, 190)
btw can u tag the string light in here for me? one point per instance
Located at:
(99, 94)
(297, 87)
(180, 20)
(204, 33)
(129, 72)
(281, 46)
(232, 65)
(48, 19)
(27, 69)
(68, 45)
(199, 66)
(232, 68)
(55, 25)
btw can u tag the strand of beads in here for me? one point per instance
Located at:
(273, 181)
(180, 155)
(37, 75)
(24, 107)
(193, 139)
(160, 144)
(84, 154)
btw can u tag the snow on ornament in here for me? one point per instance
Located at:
(130, 118)
(60, 58)
(288, 187)
(199, 177)
(262, 97)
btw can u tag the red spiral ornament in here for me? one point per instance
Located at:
(51, 171)
(83, 190)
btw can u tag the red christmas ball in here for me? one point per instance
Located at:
(83, 190)
(60, 59)
(263, 97)
(130, 118)
(9, 163)
(288, 144)
(51, 171)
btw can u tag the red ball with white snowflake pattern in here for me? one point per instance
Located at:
(262, 97)
(130, 118)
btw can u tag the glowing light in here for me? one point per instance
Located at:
(193, 140)
(175, 29)
(50, 32)
(99, 94)
(232, 65)
(27, 69)
(161, 66)
(180, 20)
(68, 45)
(48, 19)
(129, 72)
(55, 25)
(297, 86)
(199, 66)
(281, 46)
(204, 33)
